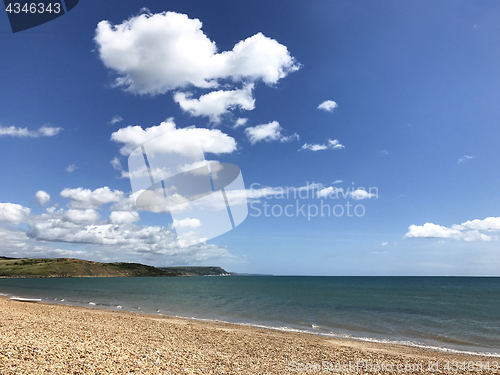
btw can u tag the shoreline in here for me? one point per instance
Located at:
(334, 336)
(44, 336)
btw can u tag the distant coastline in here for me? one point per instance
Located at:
(68, 267)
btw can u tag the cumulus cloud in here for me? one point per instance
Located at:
(13, 213)
(85, 198)
(16, 244)
(44, 131)
(125, 239)
(123, 217)
(268, 133)
(328, 105)
(187, 223)
(216, 103)
(182, 141)
(465, 158)
(331, 144)
(488, 224)
(156, 53)
(118, 238)
(126, 204)
(87, 216)
(115, 120)
(42, 197)
(471, 230)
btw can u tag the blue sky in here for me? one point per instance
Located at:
(411, 91)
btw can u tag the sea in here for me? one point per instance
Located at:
(452, 314)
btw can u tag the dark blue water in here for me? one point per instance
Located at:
(450, 313)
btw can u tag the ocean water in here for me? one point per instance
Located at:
(459, 314)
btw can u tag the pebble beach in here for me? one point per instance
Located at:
(39, 338)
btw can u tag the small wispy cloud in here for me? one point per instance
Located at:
(328, 105)
(240, 122)
(117, 165)
(330, 145)
(71, 168)
(384, 243)
(116, 119)
(465, 158)
(268, 133)
(44, 131)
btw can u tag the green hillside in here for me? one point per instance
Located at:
(65, 267)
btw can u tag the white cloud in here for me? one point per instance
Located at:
(42, 197)
(488, 224)
(44, 131)
(48, 131)
(328, 105)
(117, 239)
(183, 141)
(117, 165)
(126, 204)
(85, 198)
(268, 132)
(430, 230)
(71, 168)
(15, 243)
(115, 120)
(359, 194)
(156, 53)
(323, 193)
(331, 144)
(125, 239)
(187, 223)
(337, 193)
(469, 231)
(87, 216)
(384, 243)
(240, 122)
(13, 213)
(123, 217)
(216, 103)
(465, 158)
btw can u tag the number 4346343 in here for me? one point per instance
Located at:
(33, 8)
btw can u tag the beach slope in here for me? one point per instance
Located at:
(39, 338)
